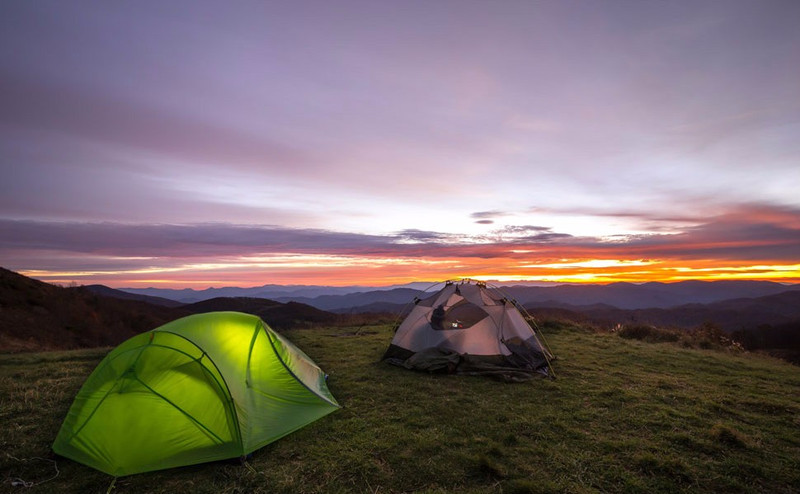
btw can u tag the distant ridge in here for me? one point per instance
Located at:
(619, 295)
(36, 316)
(111, 292)
(395, 296)
(278, 315)
(730, 315)
(275, 292)
(648, 295)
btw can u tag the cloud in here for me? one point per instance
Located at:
(695, 211)
(422, 236)
(488, 217)
(755, 240)
(755, 231)
(527, 234)
(524, 229)
(92, 116)
(747, 231)
(488, 214)
(167, 240)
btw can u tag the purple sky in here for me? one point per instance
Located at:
(149, 141)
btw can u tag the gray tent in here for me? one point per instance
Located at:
(468, 327)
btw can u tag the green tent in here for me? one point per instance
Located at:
(203, 388)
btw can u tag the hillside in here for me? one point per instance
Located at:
(625, 296)
(274, 292)
(39, 316)
(647, 295)
(770, 324)
(623, 416)
(278, 315)
(345, 303)
(730, 315)
(620, 295)
(110, 292)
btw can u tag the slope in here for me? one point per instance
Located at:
(278, 315)
(36, 315)
(111, 292)
(731, 315)
(623, 416)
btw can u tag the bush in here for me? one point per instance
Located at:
(710, 336)
(650, 334)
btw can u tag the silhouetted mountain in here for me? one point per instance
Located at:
(621, 295)
(374, 308)
(297, 293)
(647, 295)
(36, 315)
(278, 315)
(730, 315)
(345, 303)
(110, 292)
(779, 340)
(39, 316)
(706, 292)
(785, 304)
(626, 296)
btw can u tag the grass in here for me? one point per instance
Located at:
(624, 415)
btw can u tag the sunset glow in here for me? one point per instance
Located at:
(198, 144)
(346, 270)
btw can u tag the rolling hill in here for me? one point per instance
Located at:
(352, 302)
(629, 296)
(37, 316)
(297, 293)
(278, 315)
(647, 295)
(623, 416)
(111, 292)
(730, 315)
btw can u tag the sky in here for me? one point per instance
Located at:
(196, 143)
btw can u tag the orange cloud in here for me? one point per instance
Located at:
(750, 242)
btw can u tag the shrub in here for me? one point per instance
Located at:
(650, 334)
(710, 336)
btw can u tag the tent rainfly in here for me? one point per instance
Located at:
(470, 328)
(202, 388)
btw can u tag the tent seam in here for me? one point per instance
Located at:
(221, 441)
(91, 415)
(250, 353)
(116, 381)
(231, 403)
(295, 375)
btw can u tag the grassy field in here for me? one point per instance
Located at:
(623, 416)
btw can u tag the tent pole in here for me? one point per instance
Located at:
(537, 331)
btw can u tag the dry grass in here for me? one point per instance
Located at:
(624, 416)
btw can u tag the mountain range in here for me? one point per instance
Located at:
(729, 315)
(274, 292)
(629, 296)
(37, 316)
